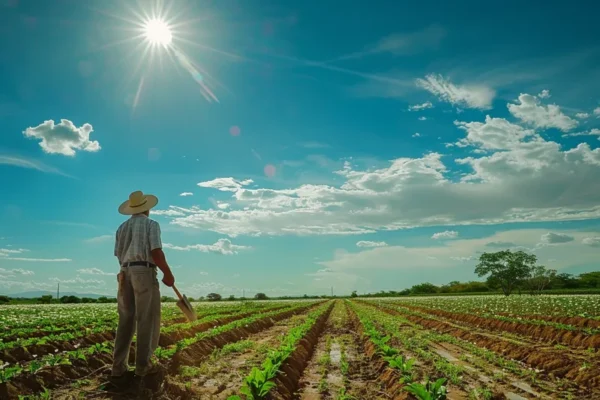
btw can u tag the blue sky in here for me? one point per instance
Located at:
(297, 146)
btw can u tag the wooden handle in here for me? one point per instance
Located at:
(177, 293)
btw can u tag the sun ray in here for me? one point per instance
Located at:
(158, 29)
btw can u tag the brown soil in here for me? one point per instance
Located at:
(362, 380)
(552, 364)
(62, 375)
(223, 375)
(547, 334)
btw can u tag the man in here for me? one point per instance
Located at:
(139, 250)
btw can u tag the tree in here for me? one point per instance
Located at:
(354, 294)
(46, 299)
(260, 296)
(539, 279)
(590, 279)
(424, 288)
(103, 299)
(70, 299)
(4, 299)
(565, 281)
(231, 298)
(506, 269)
(213, 297)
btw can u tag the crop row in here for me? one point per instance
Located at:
(562, 306)
(279, 362)
(79, 353)
(550, 362)
(95, 322)
(401, 374)
(539, 330)
(23, 379)
(24, 350)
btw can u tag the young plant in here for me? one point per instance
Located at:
(429, 391)
(257, 384)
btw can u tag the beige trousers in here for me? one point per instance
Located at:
(139, 307)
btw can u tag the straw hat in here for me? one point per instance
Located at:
(138, 203)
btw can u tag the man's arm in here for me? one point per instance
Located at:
(159, 256)
(161, 262)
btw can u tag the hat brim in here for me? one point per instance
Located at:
(126, 209)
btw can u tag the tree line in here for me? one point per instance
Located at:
(506, 272)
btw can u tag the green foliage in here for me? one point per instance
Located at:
(429, 391)
(506, 269)
(260, 296)
(424, 288)
(259, 382)
(213, 297)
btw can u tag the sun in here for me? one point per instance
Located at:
(158, 32)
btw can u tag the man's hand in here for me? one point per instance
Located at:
(161, 263)
(168, 279)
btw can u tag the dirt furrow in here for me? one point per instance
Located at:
(94, 366)
(222, 374)
(540, 333)
(549, 362)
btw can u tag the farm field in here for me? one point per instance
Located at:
(477, 347)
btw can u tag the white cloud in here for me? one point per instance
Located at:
(6, 252)
(530, 110)
(222, 246)
(416, 135)
(226, 184)
(185, 194)
(493, 134)
(78, 280)
(556, 238)
(367, 243)
(591, 132)
(172, 212)
(592, 241)
(597, 111)
(100, 239)
(445, 235)
(462, 259)
(471, 96)
(93, 271)
(419, 107)
(15, 271)
(222, 205)
(21, 271)
(402, 43)
(582, 115)
(503, 245)
(408, 192)
(544, 94)
(458, 253)
(18, 161)
(64, 138)
(422, 118)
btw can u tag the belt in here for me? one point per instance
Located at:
(139, 263)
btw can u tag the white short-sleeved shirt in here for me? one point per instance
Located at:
(136, 238)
